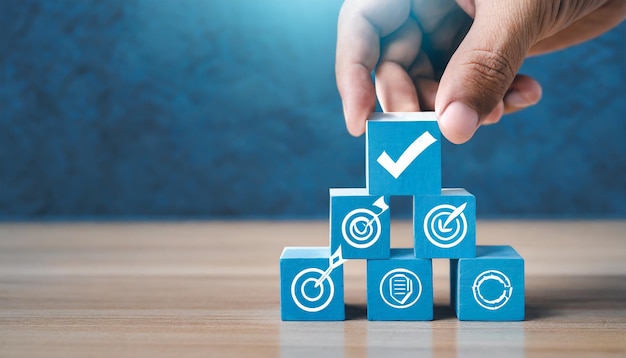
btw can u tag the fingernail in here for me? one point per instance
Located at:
(516, 99)
(458, 122)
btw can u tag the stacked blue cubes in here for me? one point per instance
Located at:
(403, 158)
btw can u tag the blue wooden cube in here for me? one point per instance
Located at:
(305, 294)
(403, 154)
(400, 288)
(444, 226)
(359, 224)
(489, 287)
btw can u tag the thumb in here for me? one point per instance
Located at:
(484, 66)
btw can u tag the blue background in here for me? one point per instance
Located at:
(205, 109)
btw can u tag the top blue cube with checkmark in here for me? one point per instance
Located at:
(403, 154)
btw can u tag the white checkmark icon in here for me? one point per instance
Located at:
(396, 168)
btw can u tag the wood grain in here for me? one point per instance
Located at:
(212, 289)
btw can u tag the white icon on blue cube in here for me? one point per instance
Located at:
(359, 223)
(403, 158)
(403, 154)
(308, 293)
(361, 228)
(483, 294)
(400, 288)
(396, 168)
(444, 225)
(490, 286)
(311, 286)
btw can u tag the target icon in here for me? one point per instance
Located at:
(445, 226)
(498, 278)
(308, 293)
(361, 228)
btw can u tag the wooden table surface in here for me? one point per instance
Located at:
(212, 289)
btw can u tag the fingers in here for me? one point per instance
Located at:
(422, 74)
(494, 116)
(361, 25)
(395, 89)
(430, 13)
(357, 54)
(483, 68)
(426, 93)
(442, 41)
(523, 92)
(394, 86)
(597, 22)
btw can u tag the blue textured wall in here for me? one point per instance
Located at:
(197, 108)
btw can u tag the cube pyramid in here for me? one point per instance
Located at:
(403, 158)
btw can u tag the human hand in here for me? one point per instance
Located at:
(459, 59)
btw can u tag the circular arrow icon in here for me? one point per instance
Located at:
(483, 299)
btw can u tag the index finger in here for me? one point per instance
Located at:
(361, 25)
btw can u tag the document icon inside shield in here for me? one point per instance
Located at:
(400, 288)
